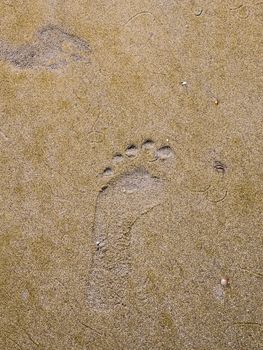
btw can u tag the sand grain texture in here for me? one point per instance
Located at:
(131, 175)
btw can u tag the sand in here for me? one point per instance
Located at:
(131, 175)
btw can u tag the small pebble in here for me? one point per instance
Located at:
(216, 101)
(224, 282)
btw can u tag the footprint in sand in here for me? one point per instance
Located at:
(125, 198)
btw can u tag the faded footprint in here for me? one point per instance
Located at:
(52, 48)
(126, 197)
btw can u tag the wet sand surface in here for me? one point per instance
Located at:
(131, 175)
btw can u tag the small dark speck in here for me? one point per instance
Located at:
(103, 188)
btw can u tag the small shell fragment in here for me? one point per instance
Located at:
(198, 12)
(219, 167)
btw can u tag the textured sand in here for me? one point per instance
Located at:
(131, 175)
